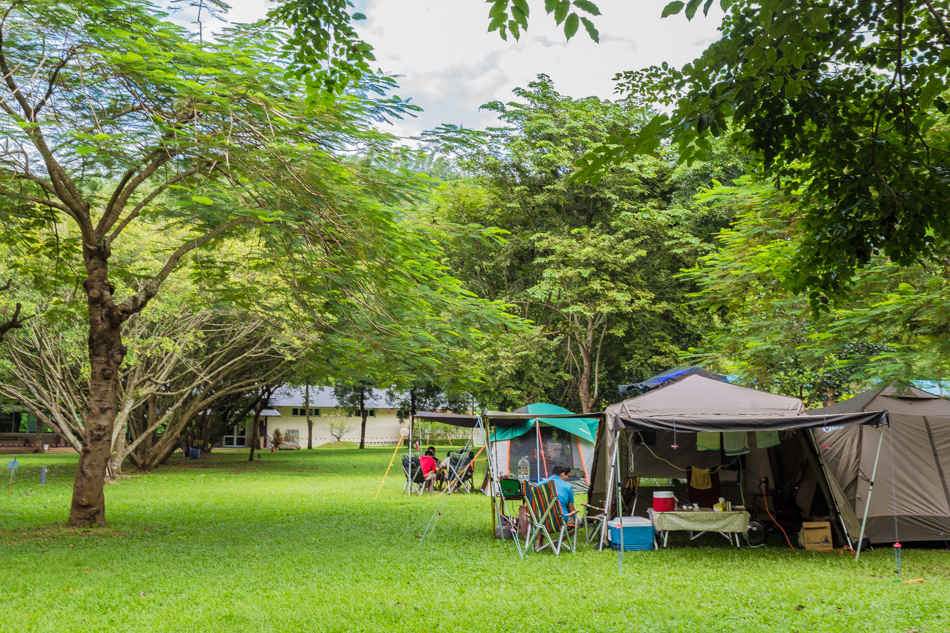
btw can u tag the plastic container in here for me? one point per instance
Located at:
(524, 469)
(664, 501)
(637, 534)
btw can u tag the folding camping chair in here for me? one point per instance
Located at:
(415, 480)
(594, 516)
(593, 520)
(547, 520)
(460, 471)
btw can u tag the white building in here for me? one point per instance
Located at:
(382, 421)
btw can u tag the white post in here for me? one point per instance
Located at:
(867, 502)
(610, 490)
(619, 496)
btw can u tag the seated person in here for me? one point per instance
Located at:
(430, 467)
(445, 471)
(565, 493)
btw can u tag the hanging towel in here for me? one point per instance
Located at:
(701, 479)
(767, 439)
(735, 442)
(707, 441)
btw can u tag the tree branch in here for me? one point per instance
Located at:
(139, 300)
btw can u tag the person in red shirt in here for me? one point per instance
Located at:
(430, 467)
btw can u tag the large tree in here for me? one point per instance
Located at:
(112, 116)
(593, 267)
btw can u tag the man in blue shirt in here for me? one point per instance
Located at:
(565, 493)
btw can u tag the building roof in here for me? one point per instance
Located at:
(323, 397)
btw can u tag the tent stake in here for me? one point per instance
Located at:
(867, 502)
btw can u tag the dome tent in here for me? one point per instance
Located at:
(911, 499)
(563, 442)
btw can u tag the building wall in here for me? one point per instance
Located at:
(381, 429)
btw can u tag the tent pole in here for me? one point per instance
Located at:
(831, 493)
(867, 502)
(619, 498)
(607, 497)
(386, 474)
(537, 426)
(495, 483)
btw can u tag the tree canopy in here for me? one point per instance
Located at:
(594, 267)
(844, 101)
(892, 326)
(114, 117)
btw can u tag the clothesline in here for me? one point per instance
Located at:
(714, 469)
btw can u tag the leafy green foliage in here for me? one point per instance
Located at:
(892, 327)
(511, 16)
(327, 52)
(842, 101)
(593, 267)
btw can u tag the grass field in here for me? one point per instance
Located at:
(296, 542)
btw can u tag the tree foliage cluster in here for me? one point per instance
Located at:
(594, 267)
(843, 102)
(892, 326)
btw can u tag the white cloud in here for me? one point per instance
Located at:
(451, 65)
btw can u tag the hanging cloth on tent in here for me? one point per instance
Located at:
(707, 440)
(700, 479)
(767, 439)
(735, 442)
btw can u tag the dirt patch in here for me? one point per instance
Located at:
(57, 531)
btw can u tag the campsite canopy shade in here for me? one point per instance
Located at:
(499, 419)
(585, 428)
(696, 403)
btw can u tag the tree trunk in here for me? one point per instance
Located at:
(363, 414)
(583, 382)
(105, 355)
(38, 438)
(256, 433)
(306, 402)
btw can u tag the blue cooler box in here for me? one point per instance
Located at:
(637, 533)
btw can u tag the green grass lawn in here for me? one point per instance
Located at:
(297, 543)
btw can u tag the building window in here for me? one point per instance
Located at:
(13, 422)
(302, 412)
(355, 413)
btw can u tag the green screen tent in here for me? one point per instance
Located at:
(563, 442)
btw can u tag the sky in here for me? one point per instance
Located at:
(450, 65)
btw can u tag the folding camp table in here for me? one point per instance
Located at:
(729, 524)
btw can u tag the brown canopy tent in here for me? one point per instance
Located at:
(911, 494)
(660, 432)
